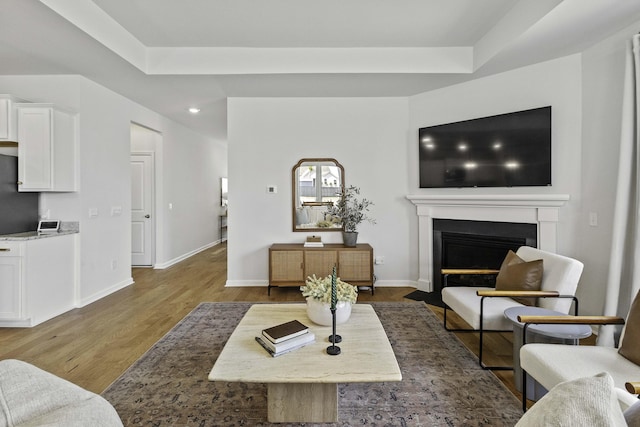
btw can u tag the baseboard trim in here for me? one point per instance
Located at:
(396, 284)
(95, 297)
(246, 283)
(163, 265)
(17, 323)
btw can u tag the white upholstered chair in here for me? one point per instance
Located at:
(551, 364)
(483, 307)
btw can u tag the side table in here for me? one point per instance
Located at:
(550, 334)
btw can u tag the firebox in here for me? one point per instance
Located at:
(476, 244)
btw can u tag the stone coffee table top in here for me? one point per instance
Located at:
(366, 354)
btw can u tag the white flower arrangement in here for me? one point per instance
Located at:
(320, 290)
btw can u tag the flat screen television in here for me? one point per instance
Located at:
(506, 150)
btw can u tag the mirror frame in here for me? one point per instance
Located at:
(294, 192)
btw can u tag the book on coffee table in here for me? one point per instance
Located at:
(285, 331)
(286, 346)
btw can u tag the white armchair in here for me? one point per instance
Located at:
(551, 364)
(483, 307)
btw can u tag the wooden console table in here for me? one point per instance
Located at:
(291, 263)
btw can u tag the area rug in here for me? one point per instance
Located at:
(442, 384)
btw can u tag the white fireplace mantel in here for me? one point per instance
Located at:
(540, 209)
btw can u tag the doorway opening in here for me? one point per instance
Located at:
(144, 143)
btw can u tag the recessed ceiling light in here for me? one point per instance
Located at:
(194, 110)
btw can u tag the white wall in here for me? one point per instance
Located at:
(556, 83)
(192, 162)
(268, 136)
(376, 141)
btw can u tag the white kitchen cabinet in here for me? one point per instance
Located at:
(47, 148)
(8, 122)
(10, 280)
(37, 279)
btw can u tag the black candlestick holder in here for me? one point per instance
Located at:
(333, 349)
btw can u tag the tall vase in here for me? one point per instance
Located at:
(349, 238)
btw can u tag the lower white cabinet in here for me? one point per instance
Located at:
(10, 281)
(37, 280)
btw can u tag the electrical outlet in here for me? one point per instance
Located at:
(593, 219)
(379, 260)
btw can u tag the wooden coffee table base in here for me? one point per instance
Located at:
(295, 403)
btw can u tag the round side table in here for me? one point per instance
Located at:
(550, 334)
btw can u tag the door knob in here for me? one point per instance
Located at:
(147, 216)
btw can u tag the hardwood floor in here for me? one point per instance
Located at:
(93, 345)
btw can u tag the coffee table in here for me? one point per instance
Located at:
(302, 386)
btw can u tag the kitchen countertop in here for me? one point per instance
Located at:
(70, 227)
(33, 235)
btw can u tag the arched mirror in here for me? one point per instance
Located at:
(317, 184)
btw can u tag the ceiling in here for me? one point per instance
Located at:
(168, 55)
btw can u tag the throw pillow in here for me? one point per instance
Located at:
(517, 274)
(630, 344)
(582, 402)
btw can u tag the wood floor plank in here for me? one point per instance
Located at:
(93, 345)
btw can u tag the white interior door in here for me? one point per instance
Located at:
(141, 209)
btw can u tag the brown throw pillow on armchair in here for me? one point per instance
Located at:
(517, 274)
(630, 345)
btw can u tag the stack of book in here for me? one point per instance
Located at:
(286, 337)
(313, 242)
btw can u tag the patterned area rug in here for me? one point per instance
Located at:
(442, 383)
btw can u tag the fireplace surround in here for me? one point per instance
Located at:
(541, 210)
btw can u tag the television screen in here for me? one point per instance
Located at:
(507, 150)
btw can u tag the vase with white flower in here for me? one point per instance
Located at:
(317, 291)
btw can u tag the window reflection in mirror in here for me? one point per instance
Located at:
(317, 183)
